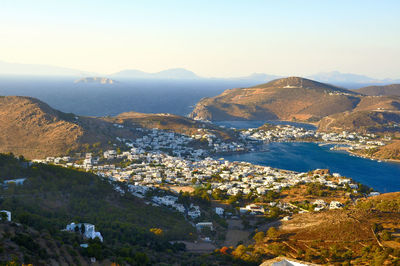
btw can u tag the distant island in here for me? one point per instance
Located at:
(95, 80)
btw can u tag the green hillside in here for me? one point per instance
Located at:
(52, 197)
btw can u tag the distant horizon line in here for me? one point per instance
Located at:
(83, 73)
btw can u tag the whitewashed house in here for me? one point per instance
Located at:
(89, 231)
(220, 211)
(335, 205)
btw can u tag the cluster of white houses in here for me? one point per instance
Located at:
(192, 211)
(282, 133)
(181, 145)
(151, 170)
(162, 158)
(155, 140)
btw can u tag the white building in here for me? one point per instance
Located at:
(89, 231)
(335, 205)
(194, 211)
(255, 209)
(18, 181)
(220, 211)
(202, 225)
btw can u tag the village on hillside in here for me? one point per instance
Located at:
(164, 171)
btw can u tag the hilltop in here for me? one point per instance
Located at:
(95, 80)
(298, 99)
(290, 98)
(32, 128)
(392, 89)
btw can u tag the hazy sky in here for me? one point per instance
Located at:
(212, 38)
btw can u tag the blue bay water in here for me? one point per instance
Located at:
(302, 157)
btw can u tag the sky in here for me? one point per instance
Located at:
(215, 38)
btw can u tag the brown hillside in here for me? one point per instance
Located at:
(31, 128)
(393, 89)
(170, 122)
(390, 151)
(374, 103)
(361, 121)
(283, 99)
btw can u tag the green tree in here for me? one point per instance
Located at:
(141, 258)
(3, 216)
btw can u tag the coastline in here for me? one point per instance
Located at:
(342, 148)
(347, 149)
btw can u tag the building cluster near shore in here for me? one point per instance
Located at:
(146, 172)
(282, 133)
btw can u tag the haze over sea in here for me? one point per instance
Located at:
(139, 95)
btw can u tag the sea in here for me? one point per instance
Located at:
(305, 156)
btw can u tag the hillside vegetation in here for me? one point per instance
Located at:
(363, 234)
(53, 197)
